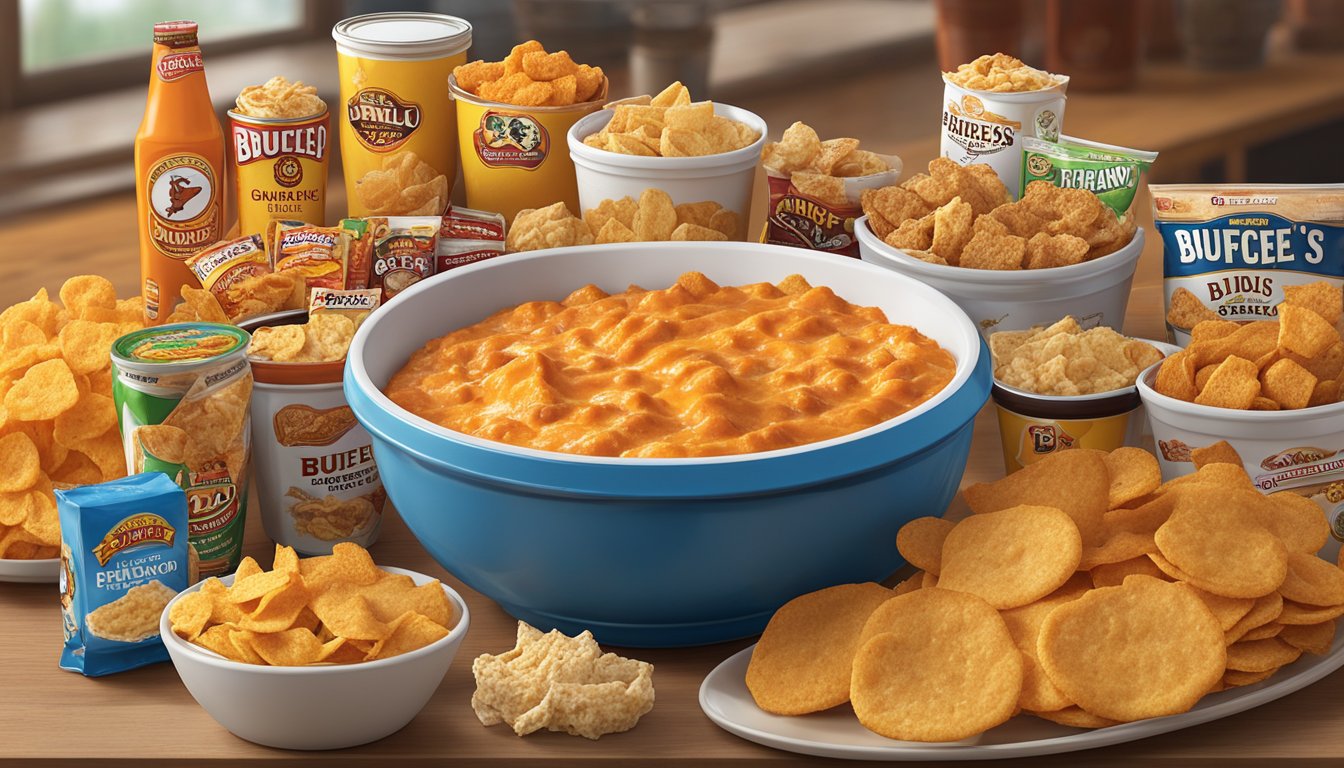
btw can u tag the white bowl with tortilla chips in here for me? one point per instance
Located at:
(329, 706)
(1095, 291)
(726, 177)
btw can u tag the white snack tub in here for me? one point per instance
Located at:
(726, 178)
(1094, 292)
(1300, 450)
(328, 706)
(988, 126)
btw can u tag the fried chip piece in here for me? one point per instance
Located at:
(1234, 384)
(1045, 251)
(1296, 520)
(1288, 384)
(1219, 452)
(1320, 297)
(1076, 717)
(1216, 539)
(1185, 310)
(945, 669)
(1012, 556)
(794, 151)
(20, 464)
(1304, 332)
(45, 391)
(1146, 648)
(986, 250)
(1313, 581)
(1133, 472)
(1298, 613)
(1263, 611)
(1075, 482)
(1114, 574)
(561, 684)
(1227, 610)
(1024, 624)
(951, 230)
(920, 542)
(1315, 639)
(1260, 655)
(802, 662)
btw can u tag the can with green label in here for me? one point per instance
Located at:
(183, 394)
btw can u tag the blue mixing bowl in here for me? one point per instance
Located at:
(662, 552)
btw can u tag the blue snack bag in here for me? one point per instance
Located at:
(124, 555)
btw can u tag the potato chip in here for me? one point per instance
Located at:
(1001, 73)
(1310, 638)
(1216, 539)
(1312, 580)
(1219, 452)
(1288, 384)
(920, 542)
(945, 668)
(1133, 473)
(45, 391)
(19, 463)
(1024, 624)
(1114, 574)
(1304, 332)
(802, 662)
(1264, 610)
(1227, 610)
(1076, 717)
(1260, 655)
(1146, 648)
(1075, 482)
(1233, 678)
(1012, 556)
(794, 151)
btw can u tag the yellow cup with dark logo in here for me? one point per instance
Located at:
(394, 70)
(514, 158)
(1032, 426)
(280, 167)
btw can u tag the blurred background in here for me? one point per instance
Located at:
(1234, 90)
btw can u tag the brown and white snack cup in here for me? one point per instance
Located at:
(987, 126)
(1300, 451)
(1034, 426)
(316, 479)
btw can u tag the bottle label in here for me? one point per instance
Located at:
(184, 214)
(175, 66)
(381, 120)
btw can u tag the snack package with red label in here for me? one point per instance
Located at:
(227, 268)
(404, 252)
(471, 224)
(815, 187)
(315, 255)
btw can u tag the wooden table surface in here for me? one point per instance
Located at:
(146, 717)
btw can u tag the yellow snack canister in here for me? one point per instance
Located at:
(280, 167)
(394, 70)
(513, 157)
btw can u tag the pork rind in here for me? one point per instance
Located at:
(561, 683)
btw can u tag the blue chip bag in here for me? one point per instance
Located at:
(124, 555)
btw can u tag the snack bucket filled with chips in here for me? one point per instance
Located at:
(280, 138)
(316, 477)
(1002, 299)
(1033, 426)
(182, 393)
(396, 133)
(694, 172)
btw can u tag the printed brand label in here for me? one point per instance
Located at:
(976, 129)
(511, 140)
(184, 214)
(140, 530)
(802, 222)
(175, 66)
(252, 142)
(382, 121)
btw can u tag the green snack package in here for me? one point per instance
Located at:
(1110, 172)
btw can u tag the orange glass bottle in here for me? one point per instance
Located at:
(179, 164)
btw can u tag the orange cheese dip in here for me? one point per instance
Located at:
(692, 370)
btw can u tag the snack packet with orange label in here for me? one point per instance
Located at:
(316, 255)
(228, 264)
(404, 252)
(359, 258)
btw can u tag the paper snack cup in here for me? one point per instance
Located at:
(515, 158)
(393, 67)
(1300, 451)
(987, 127)
(1034, 426)
(726, 178)
(315, 474)
(1095, 292)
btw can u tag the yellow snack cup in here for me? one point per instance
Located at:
(1033, 426)
(393, 67)
(513, 157)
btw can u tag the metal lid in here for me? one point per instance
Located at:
(184, 345)
(403, 35)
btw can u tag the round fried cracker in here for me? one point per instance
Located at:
(1227, 610)
(920, 542)
(1313, 581)
(946, 670)
(1220, 547)
(1013, 556)
(1074, 481)
(1263, 632)
(1234, 678)
(1297, 613)
(1076, 717)
(1298, 521)
(802, 662)
(1260, 655)
(1311, 638)
(1265, 610)
(1024, 624)
(1134, 472)
(1146, 648)
(1113, 574)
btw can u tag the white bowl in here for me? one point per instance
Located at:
(1280, 450)
(45, 571)
(321, 707)
(1014, 300)
(726, 178)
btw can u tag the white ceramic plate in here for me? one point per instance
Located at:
(837, 733)
(31, 571)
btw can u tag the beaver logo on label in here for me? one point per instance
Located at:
(977, 130)
(507, 140)
(183, 205)
(382, 121)
(288, 171)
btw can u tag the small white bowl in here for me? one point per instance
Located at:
(726, 178)
(321, 707)
(1280, 450)
(45, 571)
(1014, 300)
